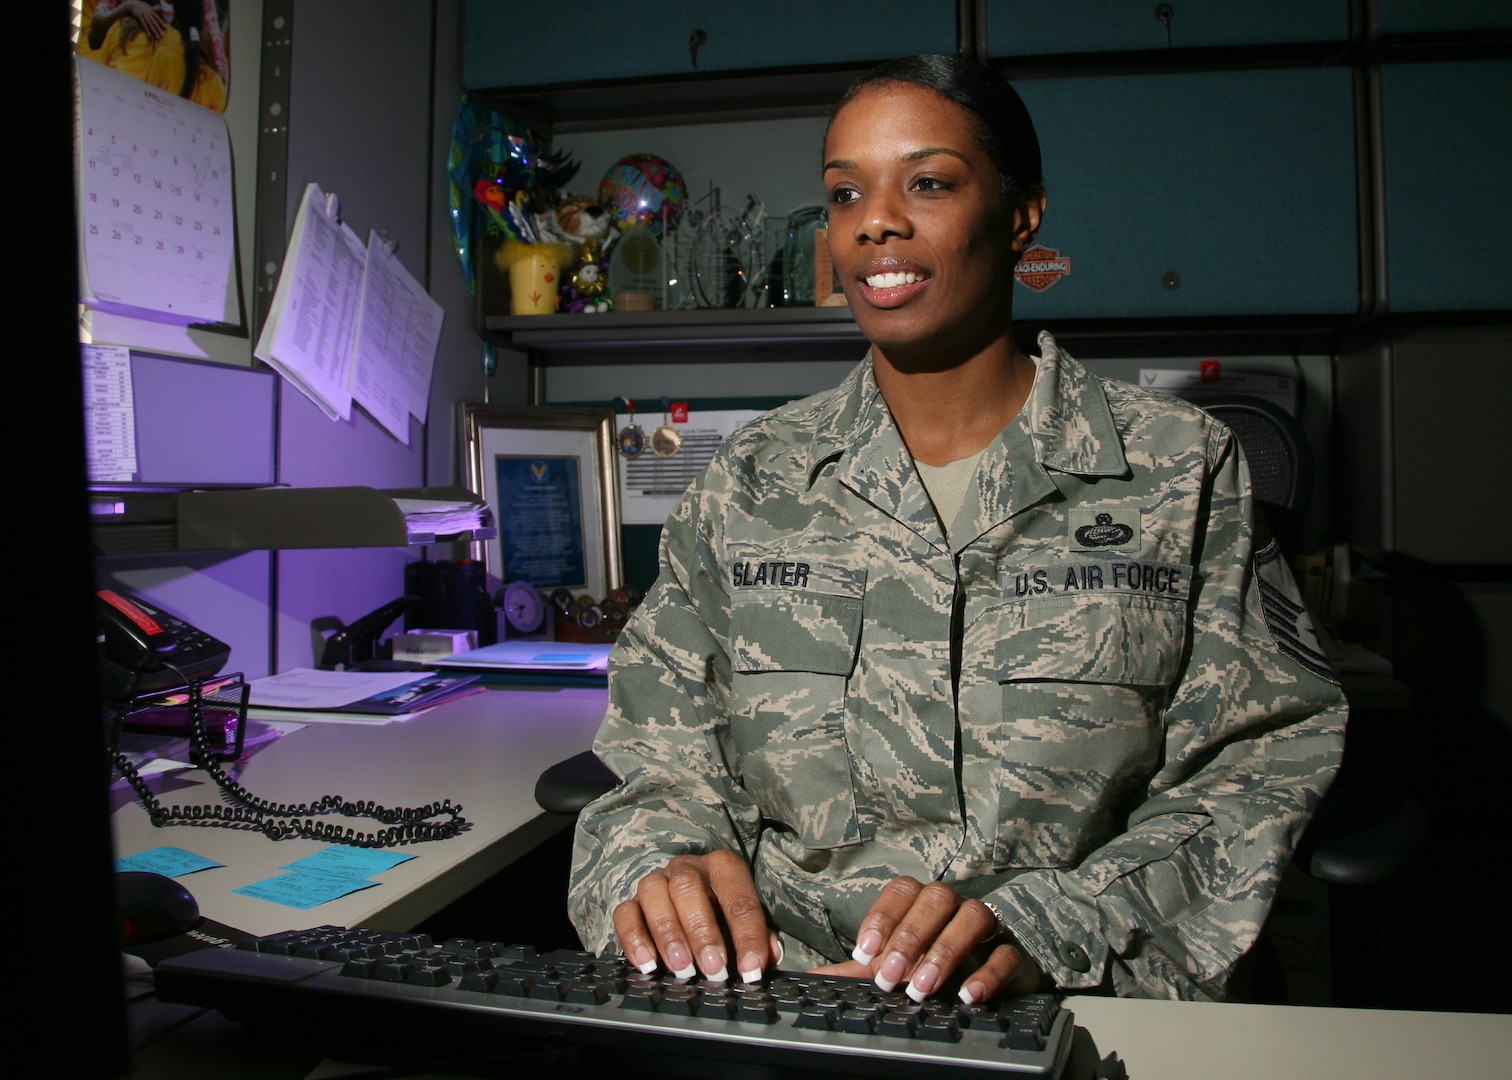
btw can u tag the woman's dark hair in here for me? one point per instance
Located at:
(999, 119)
(190, 18)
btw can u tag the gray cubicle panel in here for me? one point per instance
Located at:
(1196, 194)
(1447, 157)
(1026, 28)
(692, 37)
(202, 423)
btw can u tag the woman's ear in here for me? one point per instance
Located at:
(1027, 216)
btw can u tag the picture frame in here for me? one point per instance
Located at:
(549, 475)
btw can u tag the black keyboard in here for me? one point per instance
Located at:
(466, 995)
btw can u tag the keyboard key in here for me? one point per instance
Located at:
(548, 990)
(428, 975)
(898, 1025)
(586, 993)
(717, 1006)
(482, 982)
(816, 1019)
(1023, 1039)
(757, 1010)
(857, 1021)
(515, 984)
(941, 1029)
(642, 998)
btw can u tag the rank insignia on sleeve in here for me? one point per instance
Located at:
(1287, 620)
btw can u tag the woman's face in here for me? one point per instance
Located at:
(918, 230)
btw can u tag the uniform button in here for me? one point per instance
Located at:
(1074, 956)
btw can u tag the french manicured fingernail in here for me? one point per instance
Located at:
(644, 961)
(866, 949)
(680, 962)
(969, 993)
(750, 968)
(892, 972)
(923, 983)
(777, 946)
(714, 965)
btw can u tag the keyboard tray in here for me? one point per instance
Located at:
(402, 990)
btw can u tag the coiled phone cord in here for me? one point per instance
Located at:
(281, 821)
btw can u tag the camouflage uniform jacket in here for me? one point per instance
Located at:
(1143, 720)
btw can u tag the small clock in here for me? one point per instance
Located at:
(524, 611)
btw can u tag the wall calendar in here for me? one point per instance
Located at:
(156, 212)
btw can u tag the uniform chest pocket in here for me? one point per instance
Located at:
(792, 651)
(1093, 638)
(1084, 682)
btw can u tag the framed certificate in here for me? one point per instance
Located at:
(548, 474)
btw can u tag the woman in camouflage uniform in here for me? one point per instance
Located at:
(978, 670)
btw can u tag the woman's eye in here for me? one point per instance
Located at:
(843, 195)
(930, 183)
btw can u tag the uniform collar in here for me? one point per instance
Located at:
(1067, 419)
(1065, 426)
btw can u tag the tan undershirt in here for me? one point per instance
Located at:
(946, 485)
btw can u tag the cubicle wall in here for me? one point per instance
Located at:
(365, 110)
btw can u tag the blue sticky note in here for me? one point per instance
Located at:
(303, 889)
(168, 861)
(350, 862)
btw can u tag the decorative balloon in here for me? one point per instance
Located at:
(640, 189)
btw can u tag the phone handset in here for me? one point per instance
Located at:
(143, 649)
(132, 636)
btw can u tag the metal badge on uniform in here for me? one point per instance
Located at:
(1104, 530)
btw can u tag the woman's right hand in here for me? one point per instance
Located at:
(695, 915)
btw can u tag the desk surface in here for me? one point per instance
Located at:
(483, 751)
(1167, 1040)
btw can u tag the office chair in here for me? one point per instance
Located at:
(1359, 838)
(1280, 460)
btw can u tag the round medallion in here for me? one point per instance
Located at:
(632, 440)
(665, 441)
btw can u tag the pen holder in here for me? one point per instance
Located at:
(535, 275)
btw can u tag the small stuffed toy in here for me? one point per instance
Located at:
(586, 225)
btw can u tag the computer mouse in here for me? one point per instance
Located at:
(153, 907)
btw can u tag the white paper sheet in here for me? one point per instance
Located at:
(109, 413)
(307, 688)
(398, 329)
(312, 320)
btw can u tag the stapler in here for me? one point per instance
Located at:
(356, 645)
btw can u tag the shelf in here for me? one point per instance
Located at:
(148, 520)
(755, 326)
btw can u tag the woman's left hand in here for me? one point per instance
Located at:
(919, 935)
